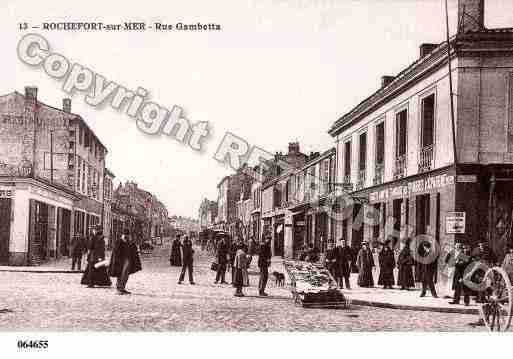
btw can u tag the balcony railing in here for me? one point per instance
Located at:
(378, 174)
(347, 186)
(400, 167)
(361, 179)
(426, 159)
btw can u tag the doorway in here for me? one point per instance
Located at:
(5, 229)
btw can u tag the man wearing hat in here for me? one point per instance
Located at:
(124, 261)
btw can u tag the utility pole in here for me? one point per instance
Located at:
(51, 156)
(451, 94)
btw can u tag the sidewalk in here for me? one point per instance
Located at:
(394, 298)
(62, 265)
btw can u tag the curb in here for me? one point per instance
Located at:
(39, 271)
(369, 303)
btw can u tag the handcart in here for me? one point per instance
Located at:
(496, 309)
(313, 286)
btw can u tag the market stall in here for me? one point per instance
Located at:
(313, 286)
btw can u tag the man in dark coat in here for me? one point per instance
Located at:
(78, 247)
(222, 260)
(461, 259)
(331, 261)
(124, 261)
(386, 266)
(427, 270)
(264, 261)
(187, 260)
(231, 257)
(483, 257)
(344, 260)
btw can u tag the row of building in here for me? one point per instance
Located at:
(396, 155)
(54, 184)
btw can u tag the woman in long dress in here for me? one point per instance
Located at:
(365, 263)
(386, 266)
(404, 264)
(96, 253)
(176, 256)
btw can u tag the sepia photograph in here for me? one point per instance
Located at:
(277, 166)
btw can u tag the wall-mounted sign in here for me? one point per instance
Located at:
(418, 186)
(455, 222)
(300, 223)
(466, 178)
(6, 193)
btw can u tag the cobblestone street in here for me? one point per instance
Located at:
(39, 301)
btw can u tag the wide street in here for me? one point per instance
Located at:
(52, 301)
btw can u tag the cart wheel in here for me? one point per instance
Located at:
(497, 308)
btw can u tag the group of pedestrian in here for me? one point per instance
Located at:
(124, 261)
(338, 262)
(236, 256)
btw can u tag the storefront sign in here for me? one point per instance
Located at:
(6, 193)
(466, 179)
(455, 222)
(418, 186)
(43, 193)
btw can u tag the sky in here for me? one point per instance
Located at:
(277, 72)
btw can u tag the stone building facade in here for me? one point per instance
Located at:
(396, 147)
(41, 161)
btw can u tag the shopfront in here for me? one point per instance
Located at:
(35, 222)
(6, 195)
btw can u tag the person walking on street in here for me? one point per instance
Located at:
(386, 266)
(124, 261)
(404, 264)
(94, 275)
(264, 262)
(222, 260)
(176, 257)
(187, 260)
(365, 264)
(428, 269)
(331, 260)
(240, 264)
(78, 247)
(344, 260)
(232, 251)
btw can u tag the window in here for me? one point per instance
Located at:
(347, 161)
(401, 119)
(428, 120)
(380, 143)
(79, 173)
(80, 135)
(83, 176)
(363, 151)
(86, 138)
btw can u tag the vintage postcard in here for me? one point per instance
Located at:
(314, 166)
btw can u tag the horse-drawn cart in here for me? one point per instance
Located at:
(313, 286)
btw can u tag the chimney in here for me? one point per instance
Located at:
(294, 147)
(386, 80)
(66, 105)
(426, 49)
(470, 15)
(31, 93)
